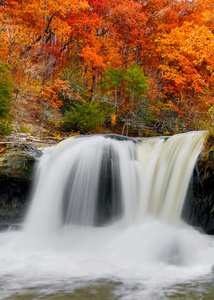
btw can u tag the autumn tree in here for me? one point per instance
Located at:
(136, 56)
(187, 65)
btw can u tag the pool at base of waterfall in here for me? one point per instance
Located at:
(150, 260)
(113, 289)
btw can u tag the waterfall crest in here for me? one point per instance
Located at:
(95, 180)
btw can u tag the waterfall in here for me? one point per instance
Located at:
(105, 222)
(99, 180)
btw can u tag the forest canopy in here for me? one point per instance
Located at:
(98, 66)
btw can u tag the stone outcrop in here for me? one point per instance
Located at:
(199, 205)
(17, 161)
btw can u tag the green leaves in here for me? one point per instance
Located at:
(136, 84)
(113, 78)
(132, 80)
(6, 88)
(85, 117)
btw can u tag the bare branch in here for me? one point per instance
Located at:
(46, 31)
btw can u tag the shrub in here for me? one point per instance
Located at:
(85, 117)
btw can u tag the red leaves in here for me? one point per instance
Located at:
(172, 41)
(98, 5)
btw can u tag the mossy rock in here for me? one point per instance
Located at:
(17, 160)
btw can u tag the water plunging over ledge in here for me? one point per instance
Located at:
(106, 211)
(95, 180)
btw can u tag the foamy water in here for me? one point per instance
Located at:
(136, 248)
(146, 260)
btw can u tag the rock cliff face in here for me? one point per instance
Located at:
(199, 205)
(17, 161)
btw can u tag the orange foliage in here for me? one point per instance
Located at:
(51, 93)
(187, 61)
(113, 119)
(172, 41)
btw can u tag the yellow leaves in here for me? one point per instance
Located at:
(159, 107)
(187, 52)
(57, 136)
(55, 122)
(113, 119)
(188, 40)
(211, 70)
(172, 41)
(172, 73)
(72, 133)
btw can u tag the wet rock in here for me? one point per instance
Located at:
(17, 162)
(199, 204)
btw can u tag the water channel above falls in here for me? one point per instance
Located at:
(105, 223)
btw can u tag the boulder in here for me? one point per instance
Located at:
(17, 162)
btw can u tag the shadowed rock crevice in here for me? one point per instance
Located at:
(17, 162)
(199, 204)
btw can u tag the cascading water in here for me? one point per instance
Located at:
(108, 209)
(95, 180)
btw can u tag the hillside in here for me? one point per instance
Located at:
(131, 67)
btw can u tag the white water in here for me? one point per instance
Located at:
(142, 243)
